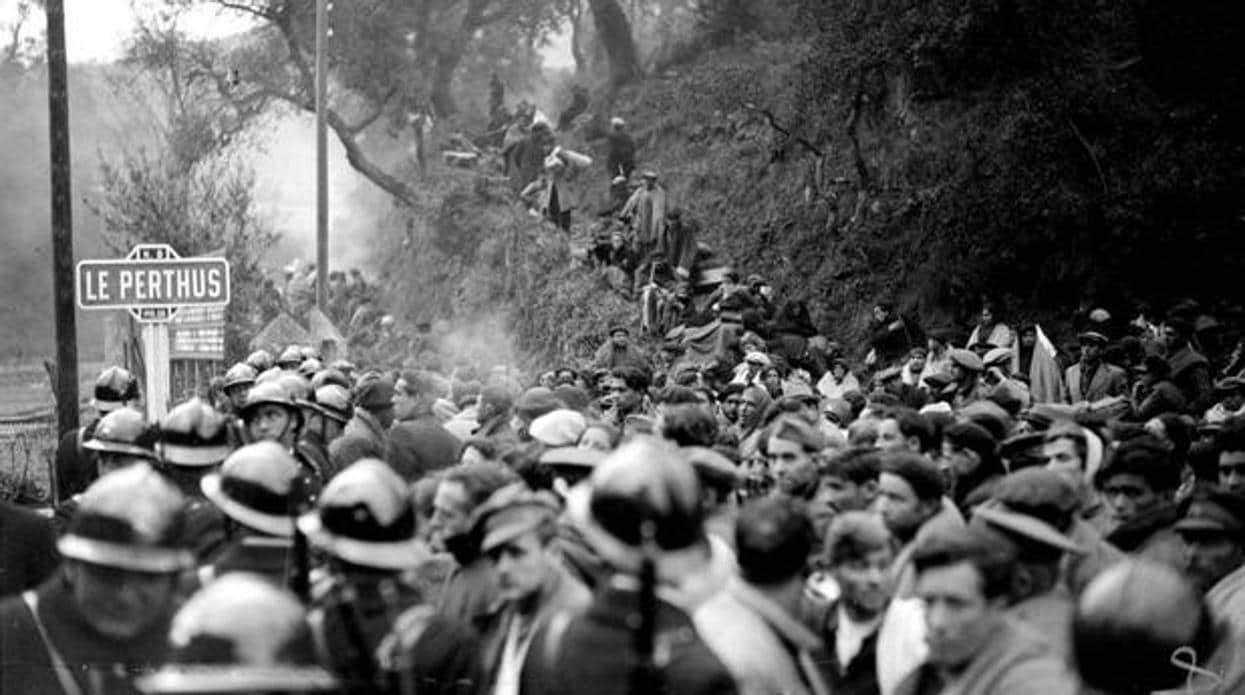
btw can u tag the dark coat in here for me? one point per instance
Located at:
(75, 466)
(594, 654)
(27, 549)
(25, 665)
(470, 595)
(620, 159)
(418, 447)
(440, 658)
(1191, 374)
(363, 438)
(857, 677)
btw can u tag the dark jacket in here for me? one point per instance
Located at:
(419, 446)
(363, 438)
(1191, 374)
(75, 466)
(1151, 536)
(620, 159)
(26, 666)
(857, 677)
(348, 627)
(1164, 397)
(27, 549)
(594, 653)
(470, 595)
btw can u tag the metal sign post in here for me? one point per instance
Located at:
(153, 281)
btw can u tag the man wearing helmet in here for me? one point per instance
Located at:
(105, 615)
(272, 414)
(121, 438)
(193, 441)
(75, 469)
(365, 522)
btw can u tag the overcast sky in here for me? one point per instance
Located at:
(96, 30)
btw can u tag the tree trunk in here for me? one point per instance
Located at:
(577, 33)
(443, 80)
(614, 33)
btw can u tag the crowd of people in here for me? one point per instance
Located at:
(961, 516)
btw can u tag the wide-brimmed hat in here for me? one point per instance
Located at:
(1092, 337)
(130, 519)
(114, 387)
(366, 517)
(558, 428)
(122, 431)
(643, 487)
(194, 434)
(966, 359)
(332, 401)
(240, 634)
(1215, 511)
(240, 374)
(1028, 528)
(511, 512)
(258, 486)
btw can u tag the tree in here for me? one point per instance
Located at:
(614, 33)
(17, 46)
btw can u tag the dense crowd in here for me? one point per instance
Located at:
(993, 518)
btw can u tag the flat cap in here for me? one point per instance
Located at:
(966, 359)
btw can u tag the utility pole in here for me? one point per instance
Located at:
(62, 222)
(322, 163)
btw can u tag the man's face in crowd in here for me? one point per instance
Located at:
(1233, 400)
(619, 338)
(901, 509)
(269, 422)
(958, 460)
(1028, 338)
(625, 398)
(450, 514)
(784, 455)
(987, 317)
(916, 363)
(839, 370)
(1063, 458)
(730, 407)
(1090, 351)
(1232, 470)
(1129, 496)
(879, 314)
(749, 408)
(772, 381)
(237, 395)
(120, 604)
(890, 438)
(1211, 556)
(405, 401)
(863, 581)
(521, 566)
(959, 620)
(1171, 338)
(836, 495)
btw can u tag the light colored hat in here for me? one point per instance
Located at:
(366, 517)
(559, 428)
(257, 486)
(1027, 527)
(121, 431)
(129, 519)
(757, 357)
(194, 434)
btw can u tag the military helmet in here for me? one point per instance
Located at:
(241, 374)
(194, 434)
(240, 633)
(272, 392)
(331, 376)
(331, 401)
(122, 431)
(366, 516)
(260, 360)
(290, 358)
(113, 388)
(130, 519)
(259, 486)
(310, 367)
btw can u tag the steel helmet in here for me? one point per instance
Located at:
(240, 374)
(194, 434)
(258, 486)
(260, 360)
(331, 401)
(310, 366)
(294, 384)
(240, 633)
(331, 376)
(123, 431)
(309, 353)
(114, 387)
(130, 519)
(290, 357)
(271, 392)
(641, 482)
(366, 517)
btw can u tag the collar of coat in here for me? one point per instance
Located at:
(788, 628)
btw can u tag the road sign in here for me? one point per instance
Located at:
(152, 281)
(198, 333)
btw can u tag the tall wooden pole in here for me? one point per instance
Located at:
(62, 221)
(322, 164)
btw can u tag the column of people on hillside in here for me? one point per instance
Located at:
(927, 513)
